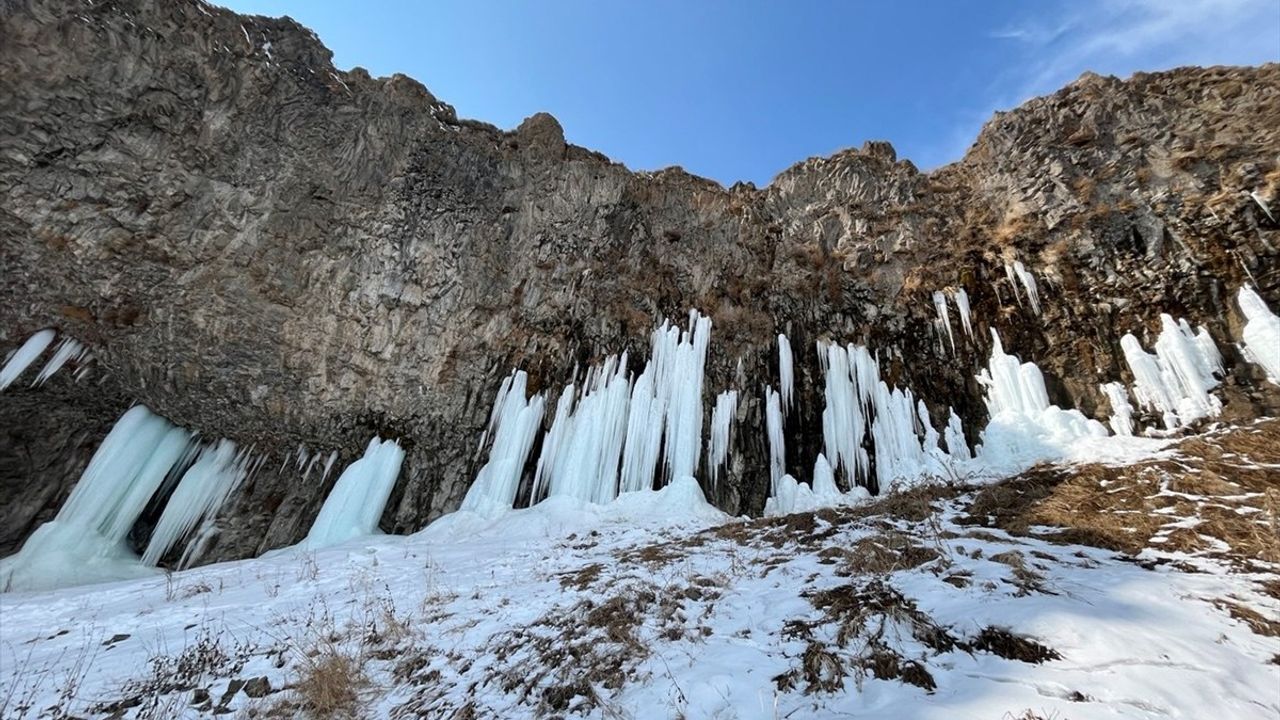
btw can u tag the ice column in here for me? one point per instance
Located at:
(1261, 333)
(1121, 411)
(720, 442)
(24, 356)
(513, 424)
(200, 493)
(773, 428)
(944, 317)
(581, 454)
(1177, 379)
(962, 304)
(358, 498)
(786, 372)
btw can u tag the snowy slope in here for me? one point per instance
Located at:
(656, 605)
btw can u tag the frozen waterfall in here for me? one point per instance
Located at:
(356, 502)
(1176, 381)
(1261, 333)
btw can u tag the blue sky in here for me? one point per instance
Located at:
(741, 89)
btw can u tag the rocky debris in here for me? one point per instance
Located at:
(261, 247)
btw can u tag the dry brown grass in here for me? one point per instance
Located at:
(330, 682)
(1227, 484)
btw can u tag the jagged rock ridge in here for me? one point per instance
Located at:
(261, 247)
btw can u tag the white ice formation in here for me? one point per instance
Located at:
(773, 430)
(358, 498)
(786, 373)
(85, 542)
(68, 349)
(720, 443)
(21, 358)
(944, 317)
(203, 489)
(513, 425)
(608, 435)
(1024, 426)
(1121, 411)
(962, 304)
(1176, 381)
(1018, 273)
(1261, 333)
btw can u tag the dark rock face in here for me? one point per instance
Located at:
(264, 248)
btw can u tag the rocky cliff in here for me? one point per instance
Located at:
(264, 248)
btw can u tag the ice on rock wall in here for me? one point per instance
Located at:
(957, 446)
(1261, 333)
(1176, 381)
(944, 317)
(786, 372)
(777, 446)
(21, 358)
(200, 493)
(1019, 275)
(68, 349)
(1024, 428)
(721, 441)
(847, 393)
(666, 403)
(581, 453)
(1121, 411)
(513, 426)
(85, 542)
(962, 304)
(357, 499)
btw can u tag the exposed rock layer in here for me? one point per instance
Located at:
(261, 247)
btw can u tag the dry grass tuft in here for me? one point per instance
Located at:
(330, 682)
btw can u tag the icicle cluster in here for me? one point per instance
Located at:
(1018, 274)
(720, 443)
(200, 493)
(900, 433)
(786, 373)
(1176, 381)
(607, 436)
(1261, 333)
(944, 317)
(24, 356)
(1025, 426)
(581, 452)
(773, 430)
(513, 425)
(357, 499)
(68, 350)
(1121, 411)
(85, 541)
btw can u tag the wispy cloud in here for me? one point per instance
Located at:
(1118, 37)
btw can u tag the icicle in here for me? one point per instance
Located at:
(720, 443)
(1261, 333)
(944, 317)
(683, 439)
(824, 478)
(1013, 282)
(328, 465)
(962, 304)
(84, 543)
(786, 372)
(773, 429)
(1121, 411)
(582, 452)
(1024, 426)
(1262, 203)
(513, 424)
(1029, 284)
(1177, 380)
(68, 349)
(24, 356)
(359, 497)
(200, 493)
(957, 447)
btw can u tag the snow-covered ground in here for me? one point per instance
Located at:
(659, 606)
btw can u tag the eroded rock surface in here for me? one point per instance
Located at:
(265, 248)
